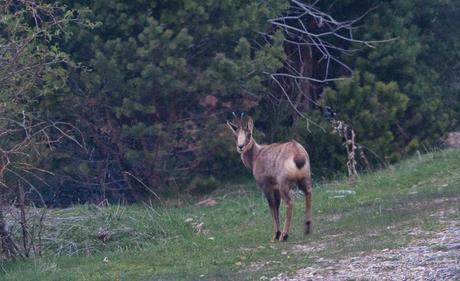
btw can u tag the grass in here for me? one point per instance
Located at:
(150, 242)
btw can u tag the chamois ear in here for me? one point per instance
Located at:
(250, 124)
(232, 127)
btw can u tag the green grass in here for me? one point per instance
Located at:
(151, 242)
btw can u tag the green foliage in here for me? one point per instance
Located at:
(402, 96)
(31, 61)
(33, 79)
(410, 60)
(159, 73)
(149, 84)
(373, 107)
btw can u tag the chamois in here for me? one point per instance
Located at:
(275, 168)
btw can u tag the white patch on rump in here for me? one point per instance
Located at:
(292, 170)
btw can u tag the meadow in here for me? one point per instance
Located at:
(176, 239)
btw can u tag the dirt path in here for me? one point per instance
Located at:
(435, 257)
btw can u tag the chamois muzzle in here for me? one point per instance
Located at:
(242, 131)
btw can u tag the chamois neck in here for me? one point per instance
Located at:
(250, 155)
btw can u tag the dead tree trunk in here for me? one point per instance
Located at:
(8, 247)
(348, 134)
(23, 220)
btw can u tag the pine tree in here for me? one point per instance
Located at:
(406, 61)
(409, 63)
(160, 74)
(373, 108)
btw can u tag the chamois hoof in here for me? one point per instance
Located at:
(307, 227)
(284, 237)
(276, 236)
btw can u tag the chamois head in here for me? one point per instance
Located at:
(242, 131)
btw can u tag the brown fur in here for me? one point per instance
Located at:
(275, 168)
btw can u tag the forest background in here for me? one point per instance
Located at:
(118, 100)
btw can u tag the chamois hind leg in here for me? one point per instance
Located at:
(306, 186)
(277, 234)
(273, 198)
(289, 204)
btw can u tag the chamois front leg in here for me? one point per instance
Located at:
(287, 222)
(306, 187)
(273, 199)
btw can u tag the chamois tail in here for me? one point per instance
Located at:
(299, 161)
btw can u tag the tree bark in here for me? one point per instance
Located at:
(9, 248)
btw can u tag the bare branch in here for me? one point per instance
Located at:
(295, 107)
(306, 25)
(322, 42)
